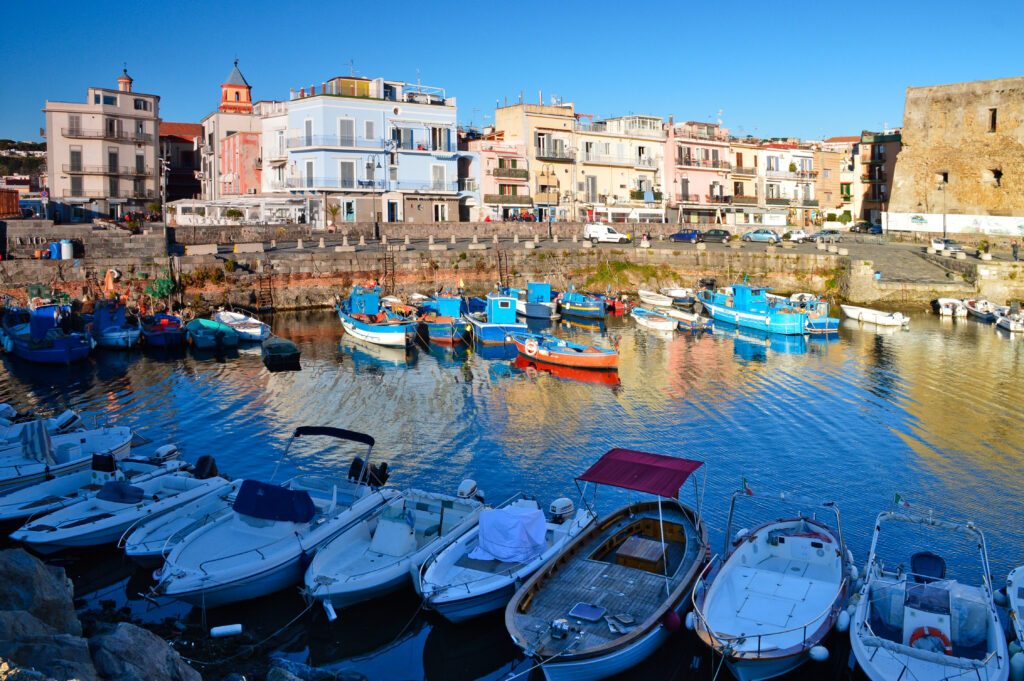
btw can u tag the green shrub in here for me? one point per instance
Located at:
(230, 265)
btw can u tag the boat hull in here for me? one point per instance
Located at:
(784, 324)
(43, 472)
(823, 325)
(165, 339)
(758, 670)
(536, 310)
(121, 339)
(383, 582)
(390, 335)
(281, 576)
(585, 311)
(464, 609)
(874, 316)
(55, 355)
(444, 333)
(494, 334)
(578, 360)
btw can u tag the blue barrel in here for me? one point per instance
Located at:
(55, 250)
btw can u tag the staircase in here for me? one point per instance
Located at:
(387, 275)
(503, 276)
(265, 289)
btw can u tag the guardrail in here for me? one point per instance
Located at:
(122, 136)
(76, 169)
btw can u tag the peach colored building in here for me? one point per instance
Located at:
(504, 176)
(697, 171)
(240, 164)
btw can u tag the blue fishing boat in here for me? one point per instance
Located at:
(39, 336)
(748, 307)
(816, 309)
(163, 331)
(363, 317)
(579, 304)
(497, 321)
(534, 303)
(112, 328)
(441, 321)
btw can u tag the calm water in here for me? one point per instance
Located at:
(931, 413)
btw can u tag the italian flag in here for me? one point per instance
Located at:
(747, 489)
(900, 501)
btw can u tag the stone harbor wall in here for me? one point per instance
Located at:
(24, 237)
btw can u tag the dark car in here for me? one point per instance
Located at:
(688, 235)
(866, 228)
(715, 236)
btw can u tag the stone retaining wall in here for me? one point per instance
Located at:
(23, 237)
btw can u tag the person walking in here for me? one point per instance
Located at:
(1015, 247)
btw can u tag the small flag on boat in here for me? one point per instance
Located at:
(747, 489)
(900, 501)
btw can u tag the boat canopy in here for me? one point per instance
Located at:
(330, 431)
(641, 471)
(272, 502)
(43, 319)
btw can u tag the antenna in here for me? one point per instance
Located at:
(351, 68)
(719, 117)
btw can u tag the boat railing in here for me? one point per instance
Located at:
(726, 642)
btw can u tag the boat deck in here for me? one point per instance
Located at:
(606, 583)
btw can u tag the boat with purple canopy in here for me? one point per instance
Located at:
(611, 597)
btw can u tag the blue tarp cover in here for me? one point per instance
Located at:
(273, 502)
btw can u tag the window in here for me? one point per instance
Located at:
(368, 130)
(112, 186)
(439, 139)
(347, 174)
(402, 137)
(74, 124)
(106, 100)
(346, 132)
(112, 159)
(826, 173)
(437, 177)
(236, 96)
(440, 212)
(75, 158)
(309, 170)
(992, 120)
(141, 104)
(737, 188)
(348, 210)
(76, 185)
(140, 164)
(942, 177)
(307, 130)
(280, 143)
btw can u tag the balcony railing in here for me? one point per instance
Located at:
(810, 203)
(509, 199)
(549, 198)
(792, 175)
(714, 198)
(776, 201)
(75, 169)
(846, 198)
(554, 154)
(299, 141)
(688, 198)
(117, 136)
(873, 179)
(867, 160)
(601, 128)
(511, 173)
(703, 163)
(744, 170)
(100, 194)
(468, 184)
(746, 200)
(640, 195)
(691, 134)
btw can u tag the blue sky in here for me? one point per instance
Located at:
(807, 69)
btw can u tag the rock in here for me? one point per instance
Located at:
(9, 672)
(130, 653)
(30, 642)
(288, 670)
(45, 592)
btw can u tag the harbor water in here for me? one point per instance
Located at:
(931, 413)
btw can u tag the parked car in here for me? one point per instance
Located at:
(715, 236)
(832, 235)
(797, 236)
(763, 234)
(688, 235)
(597, 232)
(943, 244)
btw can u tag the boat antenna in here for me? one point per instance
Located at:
(284, 454)
(664, 552)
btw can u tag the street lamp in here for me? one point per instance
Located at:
(942, 188)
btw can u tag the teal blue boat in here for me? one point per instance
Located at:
(206, 334)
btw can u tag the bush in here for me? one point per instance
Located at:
(831, 217)
(230, 265)
(233, 214)
(846, 217)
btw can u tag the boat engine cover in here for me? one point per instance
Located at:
(467, 489)
(562, 509)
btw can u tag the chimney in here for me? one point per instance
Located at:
(124, 81)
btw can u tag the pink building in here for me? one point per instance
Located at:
(503, 175)
(240, 164)
(697, 171)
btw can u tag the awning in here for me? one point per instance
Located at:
(641, 471)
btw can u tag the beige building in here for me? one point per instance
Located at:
(234, 114)
(828, 182)
(102, 154)
(961, 168)
(874, 161)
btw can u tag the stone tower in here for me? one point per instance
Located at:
(236, 93)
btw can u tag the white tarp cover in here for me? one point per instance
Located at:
(511, 535)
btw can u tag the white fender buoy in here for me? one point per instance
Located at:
(741, 533)
(1015, 648)
(843, 621)
(819, 653)
(329, 610)
(999, 598)
(854, 573)
(690, 620)
(226, 630)
(1017, 667)
(849, 556)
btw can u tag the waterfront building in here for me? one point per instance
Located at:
(178, 144)
(619, 169)
(747, 183)
(273, 127)
(961, 168)
(379, 150)
(500, 172)
(233, 115)
(789, 177)
(828, 184)
(874, 163)
(698, 172)
(240, 164)
(102, 154)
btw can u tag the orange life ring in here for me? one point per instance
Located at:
(928, 632)
(532, 347)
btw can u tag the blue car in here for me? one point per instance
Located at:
(688, 235)
(764, 235)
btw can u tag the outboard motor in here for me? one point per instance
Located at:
(561, 510)
(103, 463)
(379, 474)
(469, 490)
(709, 283)
(166, 453)
(355, 470)
(205, 468)
(67, 422)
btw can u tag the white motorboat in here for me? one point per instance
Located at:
(263, 544)
(653, 320)
(249, 329)
(1015, 596)
(66, 490)
(479, 572)
(950, 307)
(680, 296)
(148, 542)
(774, 594)
(984, 310)
(119, 504)
(688, 321)
(1012, 322)
(915, 623)
(12, 423)
(877, 317)
(378, 554)
(655, 299)
(37, 456)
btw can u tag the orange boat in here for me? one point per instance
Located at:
(532, 366)
(558, 351)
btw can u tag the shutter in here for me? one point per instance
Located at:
(346, 132)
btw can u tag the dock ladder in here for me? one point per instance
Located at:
(387, 275)
(265, 288)
(503, 277)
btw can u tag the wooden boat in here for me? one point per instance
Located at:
(983, 310)
(750, 308)
(363, 317)
(163, 331)
(112, 328)
(37, 456)
(533, 367)
(479, 572)
(581, 305)
(950, 307)
(688, 321)
(207, 334)
(551, 350)
(278, 352)
(604, 604)
(775, 594)
(440, 321)
(653, 320)
(679, 296)
(37, 336)
(654, 299)
(914, 622)
(878, 317)
(493, 325)
(248, 328)
(378, 554)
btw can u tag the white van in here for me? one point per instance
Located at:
(597, 232)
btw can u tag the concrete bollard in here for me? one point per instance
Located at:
(495, 238)
(985, 256)
(406, 239)
(475, 240)
(536, 239)
(362, 240)
(344, 247)
(930, 251)
(960, 255)
(946, 252)
(701, 246)
(820, 246)
(321, 242)
(273, 243)
(476, 245)
(383, 239)
(344, 241)
(575, 238)
(843, 251)
(515, 238)
(554, 238)
(430, 240)
(832, 248)
(453, 239)
(298, 245)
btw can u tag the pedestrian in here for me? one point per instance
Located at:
(1015, 247)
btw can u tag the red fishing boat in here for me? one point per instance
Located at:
(561, 352)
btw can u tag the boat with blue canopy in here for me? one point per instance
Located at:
(749, 307)
(441, 320)
(43, 336)
(536, 302)
(493, 325)
(363, 317)
(112, 328)
(579, 304)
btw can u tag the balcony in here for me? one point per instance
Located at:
(120, 194)
(867, 160)
(699, 135)
(776, 201)
(468, 184)
(511, 173)
(689, 162)
(549, 198)
(744, 170)
(605, 159)
(877, 178)
(330, 183)
(792, 175)
(554, 154)
(343, 142)
(810, 203)
(75, 169)
(846, 198)
(117, 136)
(717, 199)
(688, 198)
(639, 195)
(745, 200)
(508, 199)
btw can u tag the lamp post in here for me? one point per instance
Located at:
(942, 188)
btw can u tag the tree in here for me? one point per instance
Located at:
(233, 214)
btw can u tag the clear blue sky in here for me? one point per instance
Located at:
(807, 69)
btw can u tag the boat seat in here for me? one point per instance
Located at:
(395, 538)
